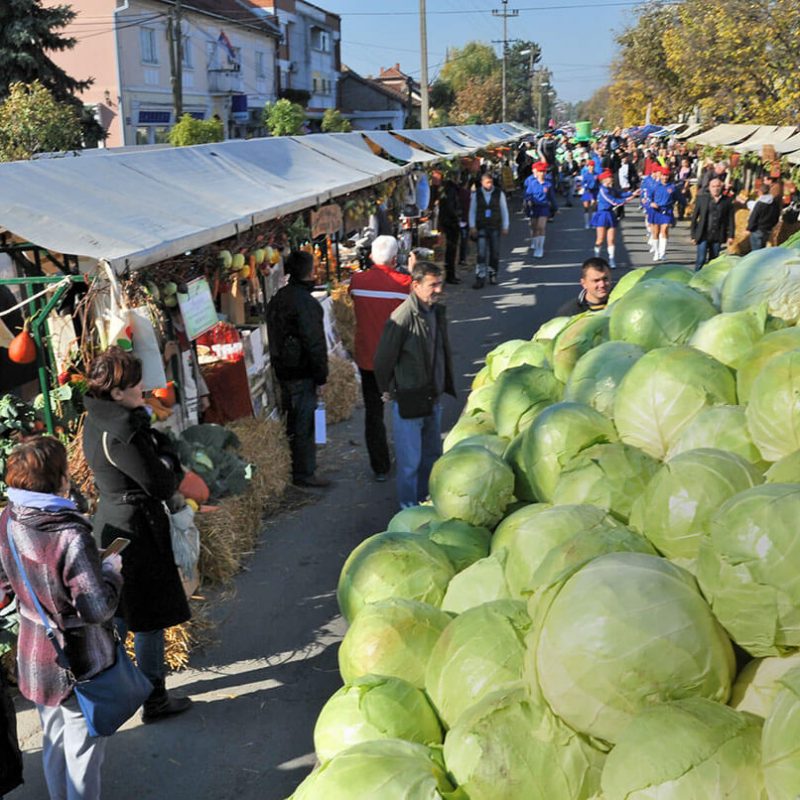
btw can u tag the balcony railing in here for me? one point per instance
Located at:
(225, 81)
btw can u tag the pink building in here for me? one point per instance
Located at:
(229, 64)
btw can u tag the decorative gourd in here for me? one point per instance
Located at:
(193, 487)
(22, 349)
(166, 394)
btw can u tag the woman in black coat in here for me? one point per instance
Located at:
(136, 473)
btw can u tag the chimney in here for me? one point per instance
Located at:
(397, 66)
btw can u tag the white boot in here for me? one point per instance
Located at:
(597, 250)
(532, 247)
(540, 248)
(651, 244)
(586, 220)
(611, 251)
(662, 247)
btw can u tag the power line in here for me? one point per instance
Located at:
(521, 9)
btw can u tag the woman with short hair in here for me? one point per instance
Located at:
(78, 592)
(136, 472)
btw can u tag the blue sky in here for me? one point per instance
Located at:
(576, 36)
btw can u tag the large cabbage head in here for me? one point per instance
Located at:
(523, 490)
(497, 359)
(598, 373)
(749, 568)
(610, 476)
(528, 540)
(462, 543)
(675, 508)
(393, 638)
(550, 329)
(481, 582)
(710, 278)
(771, 276)
(730, 337)
(480, 400)
(626, 283)
(771, 345)
(534, 354)
(758, 683)
(692, 749)
(584, 332)
(523, 517)
(479, 652)
(472, 484)
(721, 428)
(412, 519)
(668, 272)
(521, 394)
(556, 436)
(787, 470)
(375, 707)
(658, 313)
(664, 391)
(510, 745)
(393, 565)
(468, 425)
(626, 632)
(497, 444)
(773, 413)
(780, 743)
(389, 769)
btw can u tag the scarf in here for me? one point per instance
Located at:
(40, 500)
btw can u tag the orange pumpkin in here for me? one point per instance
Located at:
(166, 394)
(193, 487)
(22, 349)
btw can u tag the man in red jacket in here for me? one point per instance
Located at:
(376, 293)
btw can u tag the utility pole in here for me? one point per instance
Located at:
(175, 39)
(423, 81)
(505, 14)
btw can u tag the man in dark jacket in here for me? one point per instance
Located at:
(764, 217)
(595, 288)
(413, 368)
(449, 222)
(712, 223)
(299, 356)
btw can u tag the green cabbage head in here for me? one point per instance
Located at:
(389, 769)
(772, 344)
(730, 337)
(664, 391)
(462, 543)
(375, 707)
(412, 519)
(481, 582)
(691, 749)
(479, 652)
(749, 568)
(521, 393)
(625, 632)
(471, 484)
(510, 745)
(758, 683)
(584, 332)
(780, 743)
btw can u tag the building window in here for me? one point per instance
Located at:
(147, 39)
(187, 52)
(314, 85)
(261, 64)
(320, 40)
(212, 56)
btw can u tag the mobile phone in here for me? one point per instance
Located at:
(116, 547)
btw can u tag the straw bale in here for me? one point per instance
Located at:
(79, 471)
(341, 390)
(344, 316)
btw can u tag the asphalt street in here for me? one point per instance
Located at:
(259, 687)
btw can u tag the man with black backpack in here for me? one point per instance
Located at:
(299, 356)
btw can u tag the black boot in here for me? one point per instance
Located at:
(160, 705)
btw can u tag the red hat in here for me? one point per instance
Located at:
(540, 166)
(605, 174)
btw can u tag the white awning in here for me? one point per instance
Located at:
(789, 145)
(136, 209)
(726, 134)
(689, 132)
(767, 135)
(399, 150)
(351, 150)
(434, 140)
(477, 132)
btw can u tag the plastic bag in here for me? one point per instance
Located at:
(186, 547)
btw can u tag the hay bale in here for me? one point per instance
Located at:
(341, 390)
(79, 471)
(344, 316)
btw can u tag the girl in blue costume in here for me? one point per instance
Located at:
(590, 189)
(540, 203)
(647, 187)
(604, 219)
(662, 200)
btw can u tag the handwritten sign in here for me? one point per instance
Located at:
(197, 308)
(326, 221)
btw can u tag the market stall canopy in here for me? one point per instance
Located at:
(351, 150)
(435, 140)
(726, 134)
(399, 150)
(476, 132)
(136, 209)
(692, 130)
(789, 145)
(767, 135)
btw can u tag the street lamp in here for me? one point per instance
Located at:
(532, 53)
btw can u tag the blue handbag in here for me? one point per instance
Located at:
(108, 699)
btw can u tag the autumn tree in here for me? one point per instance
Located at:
(479, 101)
(473, 61)
(32, 121)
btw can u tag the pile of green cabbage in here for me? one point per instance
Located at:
(601, 600)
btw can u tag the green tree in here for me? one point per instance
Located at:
(473, 61)
(188, 130)
(334, 122)
(523, 56)
(479, 102)
(284, 118)
(32, 121)
(29, 31)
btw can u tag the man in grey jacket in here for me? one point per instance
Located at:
(413, 369)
